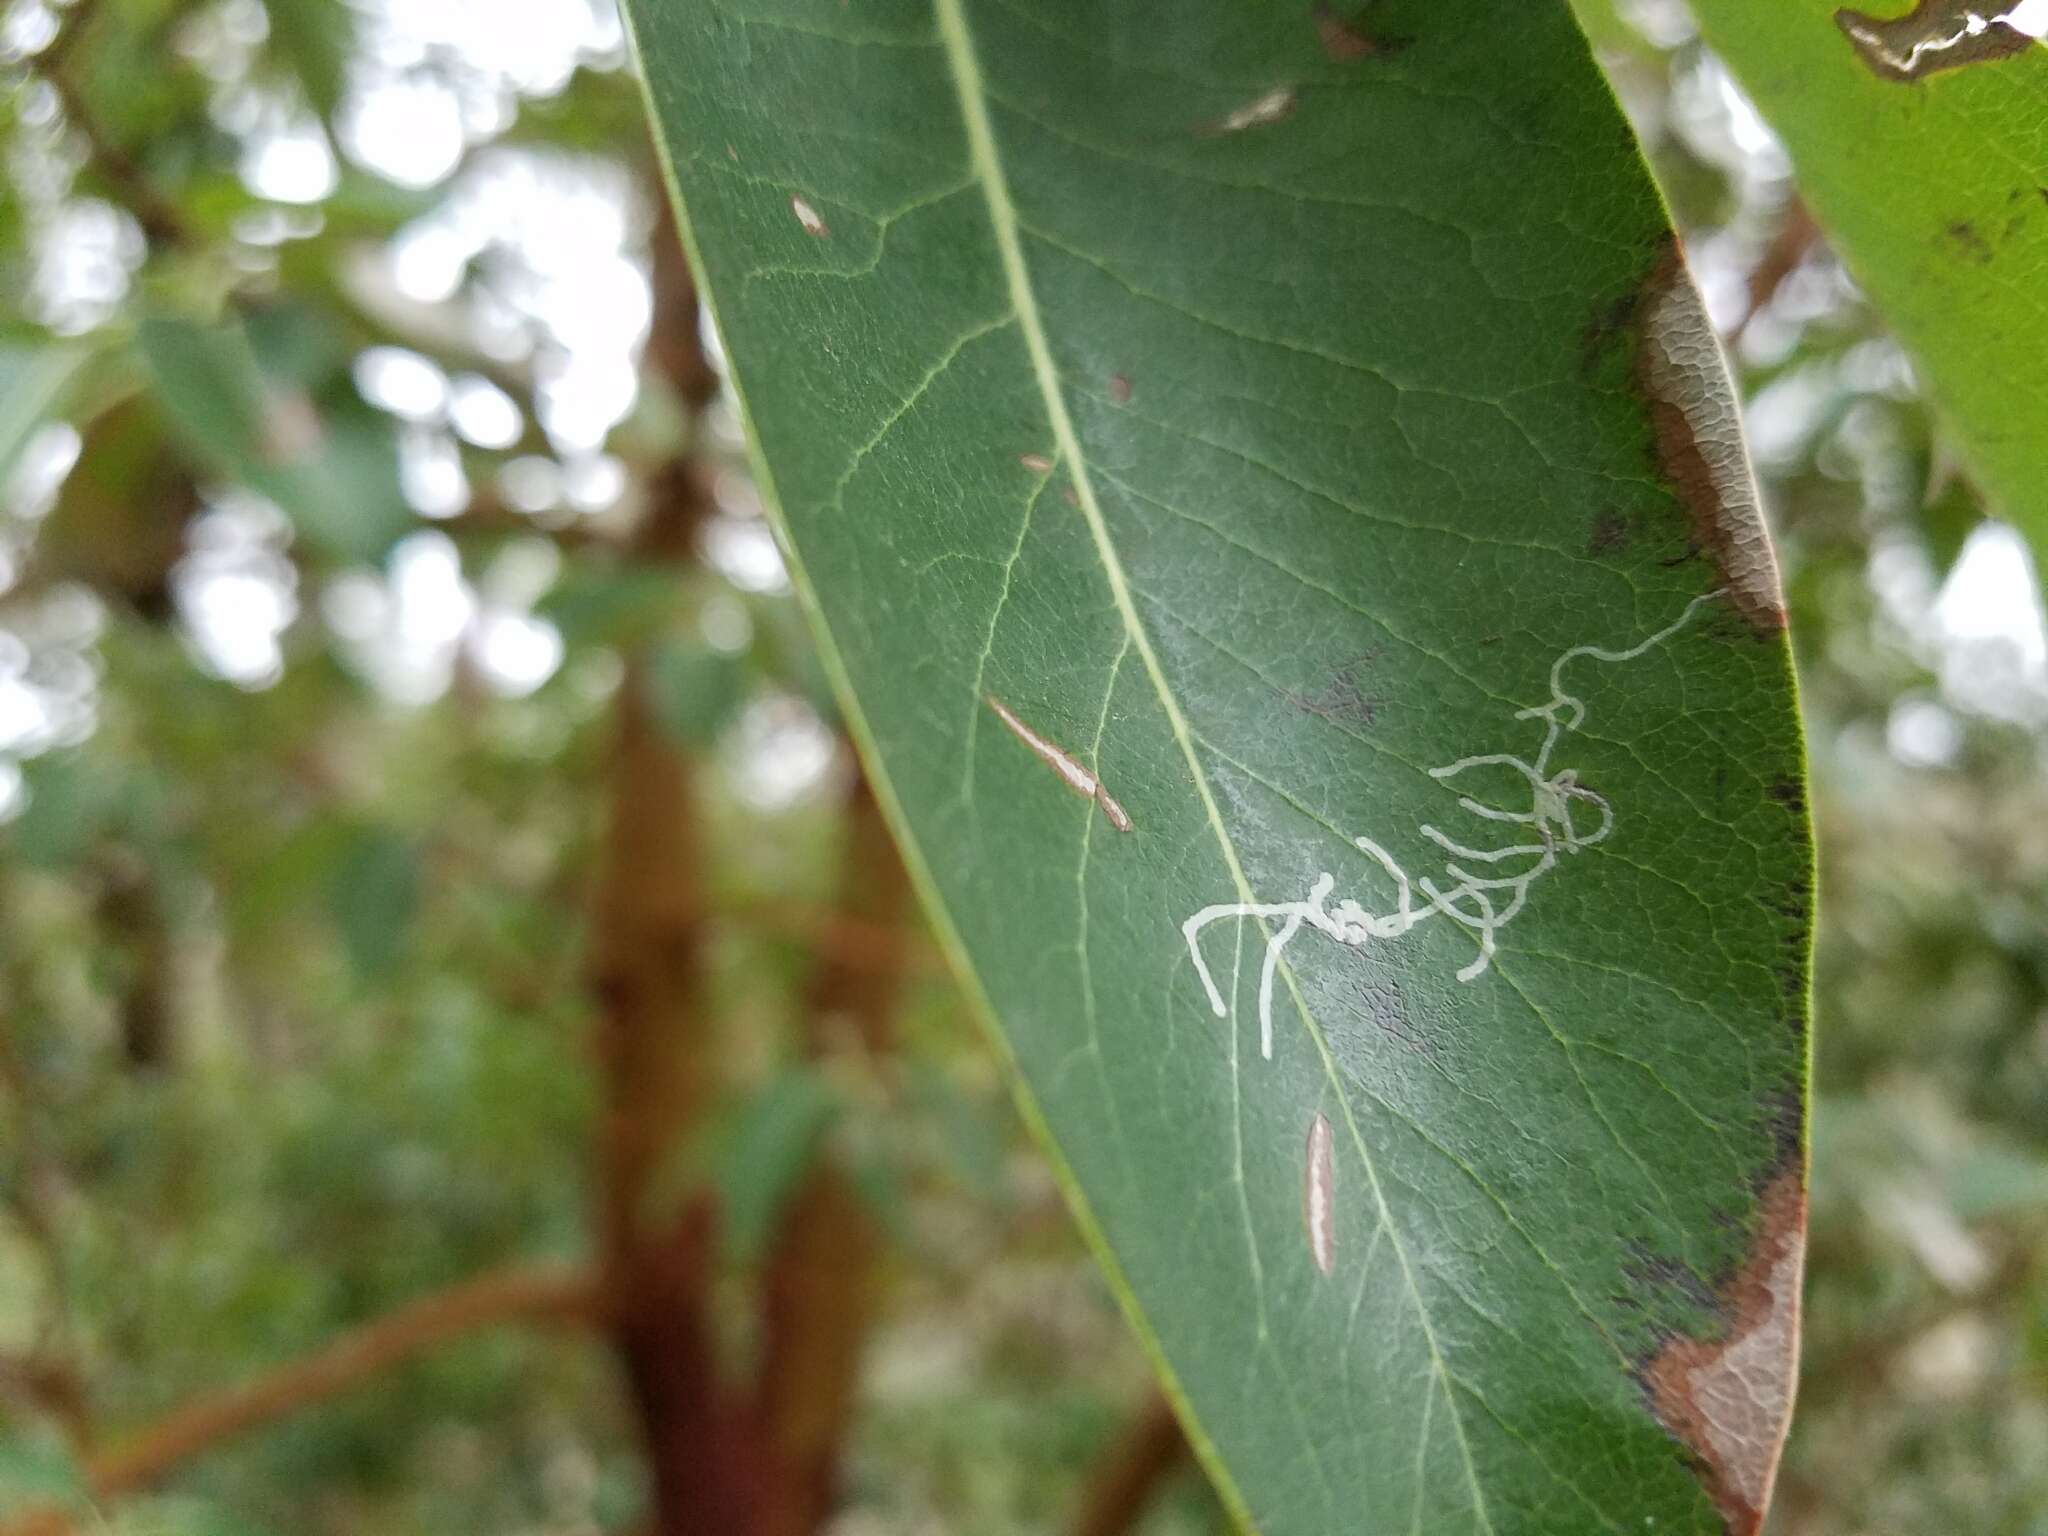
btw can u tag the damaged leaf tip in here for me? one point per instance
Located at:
(1728, 1399)
(1699, 446)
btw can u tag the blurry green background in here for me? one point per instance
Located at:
(432, 874)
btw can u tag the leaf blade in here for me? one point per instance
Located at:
(925, 379)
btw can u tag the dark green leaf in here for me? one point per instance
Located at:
(1301, 421)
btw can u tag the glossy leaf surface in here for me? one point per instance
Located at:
(1301, 426)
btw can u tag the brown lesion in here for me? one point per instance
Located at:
(1698, 439)
(1728, 1399)
(1610, 533)
(1933, 36)
(1345, 38)
(1343, 700)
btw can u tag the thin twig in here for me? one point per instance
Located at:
(517, 1293)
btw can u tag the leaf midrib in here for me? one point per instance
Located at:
(986, 162)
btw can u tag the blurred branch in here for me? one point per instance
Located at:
(53, 1386)
(513, 1294)
(31, 1195)
(162, 223)
(1130, 1474)
(819, 1288)
(656, 1049)
(1797, 235)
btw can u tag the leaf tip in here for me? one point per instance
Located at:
(1728, 1400)
(1698, 439)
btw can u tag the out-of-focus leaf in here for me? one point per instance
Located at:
(119, 522)
(35, 1469)
(971, 1138)
(1998, 1181)
(315, 36)
(694, 690)
(35, 383)
(373, 894)
(1300, 420)
(763, 1153)
(335, 474)
(167, 1516)
(1921, 146)
(597, 604)
(73, 798)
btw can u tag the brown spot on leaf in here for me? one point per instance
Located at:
(1119, 389)
(290, 431)
(1728, 1399)
(1933, 36)
(1972, 244)
(1070, 496)
(1343, 700)
(1387, 1007)
(1610, 532)
(1609, 322)
(1680, 371)
(1344, 38)
(1037, 463)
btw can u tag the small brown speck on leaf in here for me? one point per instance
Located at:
(1973, 245)
(1341, 40)
(1119, 389)
(807, 216)
(1069, 496)
(732, 154)
(1077, 777)
(1344, 38)
(291, 432)
(1728, 1399)
(1037, 463)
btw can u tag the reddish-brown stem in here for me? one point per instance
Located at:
(819, 1286)
(1136, 1466)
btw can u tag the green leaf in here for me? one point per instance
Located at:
(314, 37)
(1935, 191)
(373, 896)
(35, 383)
(333, 471)
(695, 691)
(1302, 422)
(765, 1153)
(35, 1469)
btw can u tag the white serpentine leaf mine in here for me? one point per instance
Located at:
(1481, 900)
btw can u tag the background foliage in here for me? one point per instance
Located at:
(381, 576)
